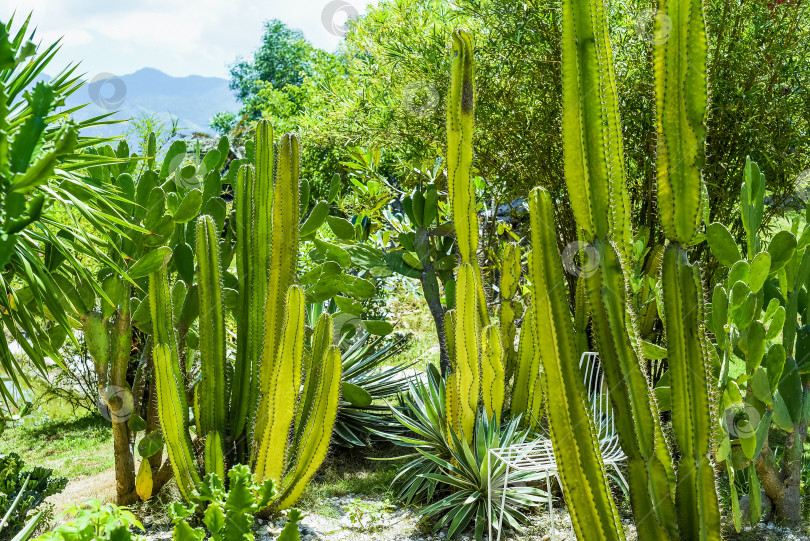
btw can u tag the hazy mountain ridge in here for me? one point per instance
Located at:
(193, 99)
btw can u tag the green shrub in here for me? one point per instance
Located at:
(228, 515)
(39, 486)
(94, 520)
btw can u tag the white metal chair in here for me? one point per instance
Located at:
(538, 455)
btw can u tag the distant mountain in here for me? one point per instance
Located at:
(193, 99)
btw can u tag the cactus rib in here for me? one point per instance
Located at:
(211, 329)
(572, 430)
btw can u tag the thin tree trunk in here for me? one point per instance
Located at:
(121, 347)
(430, 289)
(783, 486)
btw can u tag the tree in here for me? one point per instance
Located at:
(54, 222)
(283, 58)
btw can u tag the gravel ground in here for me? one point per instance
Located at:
(353, 518)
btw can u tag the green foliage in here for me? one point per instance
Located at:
(756, 314)
(282, 59)
(52, 218)
(223, 122)
(95, 521)
(22, 491)
(227, 514)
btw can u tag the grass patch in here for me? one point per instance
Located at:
(72, 447)
(347, 472)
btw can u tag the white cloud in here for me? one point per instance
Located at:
(179, 37)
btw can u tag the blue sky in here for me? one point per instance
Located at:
(179, 37)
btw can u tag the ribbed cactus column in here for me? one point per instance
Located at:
(460, 188)
(171, 391)
(281, 391)
(253, 204)
(679, 64)
(465, 359)
(594, 174)
(593, 512)
(510, 279)
(281, 274)
(213, 413)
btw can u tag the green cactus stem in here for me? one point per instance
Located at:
(213, 414)
(696, 492)
(593, 511)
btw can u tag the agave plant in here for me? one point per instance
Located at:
(50, 214)
(363, 368)
(443, 459)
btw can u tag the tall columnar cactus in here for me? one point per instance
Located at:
(465, 361)
(679, 64)
(253, 203)
(171, 390)
(211, 329)
(593, 511)
(272, 360)
(695, 493)
(681, 97)
(510, 309)
(460, 188)
(594, 169)
(283, 257)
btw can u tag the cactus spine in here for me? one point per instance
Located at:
(271, 361)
